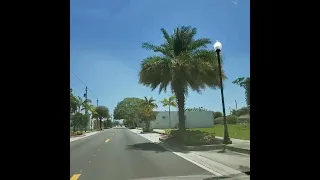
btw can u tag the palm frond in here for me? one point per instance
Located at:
(155, 71)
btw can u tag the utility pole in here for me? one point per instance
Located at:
(86, 101)
(236, 104)
(97, 116)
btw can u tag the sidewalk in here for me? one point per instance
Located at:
(238, 145)
(214, 161)
(87, 135)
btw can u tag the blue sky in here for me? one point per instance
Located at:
(106, 37)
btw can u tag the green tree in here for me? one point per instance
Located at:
(115, 123)
(169, 102)
(217, 114)
(107, 123)
(84, 122)
(240, 112)
(128, 109)
(87, 107)
(77, 121)
(146, 111)
(184, 63)
(101, 113)
(245, 83)
(74, 103)
(79, 104)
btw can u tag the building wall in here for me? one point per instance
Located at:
(194, 119)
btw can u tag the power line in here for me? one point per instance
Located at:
(84, 85)
(79, 79)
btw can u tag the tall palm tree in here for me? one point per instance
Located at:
(169, 102)
(184, 63)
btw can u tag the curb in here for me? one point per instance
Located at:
(83, 136)
(217, 147)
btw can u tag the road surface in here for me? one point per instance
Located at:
(119, 154)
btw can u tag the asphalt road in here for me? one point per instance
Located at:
(119, 154)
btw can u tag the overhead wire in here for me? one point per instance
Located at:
(85, 85)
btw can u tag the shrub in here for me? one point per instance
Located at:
(232, 119)
(217, 114)
(192, 137)
(218, 120)
(76, 133)
(244, 120)
(146, 130)
(168, 131)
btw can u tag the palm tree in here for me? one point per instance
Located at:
(101, 112)
(147, 107)
(79, 104)
(184, 63)
(149, 103)
(169, 102)
(87, 106)
(73, 102)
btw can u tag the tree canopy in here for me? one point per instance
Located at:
(128, 109)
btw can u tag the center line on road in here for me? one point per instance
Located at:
(107, 140)
(75, 177)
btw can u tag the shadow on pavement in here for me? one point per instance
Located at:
(146, 147)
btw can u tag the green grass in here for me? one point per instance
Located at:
(237, 131)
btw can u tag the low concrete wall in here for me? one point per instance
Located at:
(194, 119)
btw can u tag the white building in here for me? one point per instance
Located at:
(194, 119)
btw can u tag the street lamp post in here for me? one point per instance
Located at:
(226, 139)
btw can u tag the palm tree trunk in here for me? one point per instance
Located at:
(147, 125)
(169, 118)
(181, 101)
(100, 123)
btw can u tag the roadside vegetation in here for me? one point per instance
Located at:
(82, 113)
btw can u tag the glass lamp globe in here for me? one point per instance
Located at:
(217, 45)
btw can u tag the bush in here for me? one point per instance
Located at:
(168, 131)
(244, 120)
(191, 137)
(76, 133)
(232, 119)
(218, 120)
(217, 114)
(146, 130)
